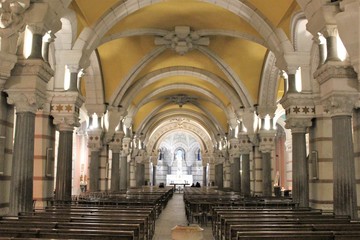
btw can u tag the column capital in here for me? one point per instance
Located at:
(298, 125)
(234, 150)
(245, 144)
(25, 101)
(95, 139)
(340, 104)
(125, 146)
(266, 140)
(116, 144)
(65, 108)
(335, 70)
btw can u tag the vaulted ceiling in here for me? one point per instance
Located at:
(185, 59)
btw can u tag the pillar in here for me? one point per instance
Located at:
(219, 174)
(266, 173)
(21, 192)
(345, 199)
(204, 176)
(300, 179)
(123, 170)
(154, 175)
(266, 147)
(64, 165)
(115, 173)
(94, 170)
(25, 90)
(236, 175)
(116, 146)
(245, 174)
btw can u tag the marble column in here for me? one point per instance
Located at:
(123, 171)
(236, 175)
(204, 176)
(331, 33)
(219, 175)
(345, 199)
(21, 191)
(115, 173)
(245, 175)
(300, 178)
(291, 83)
(266, 173)
(94, 170)
(64, 165)
(154, 176)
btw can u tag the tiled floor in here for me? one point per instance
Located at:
(172, 215)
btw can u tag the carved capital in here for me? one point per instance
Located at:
(65, 123)
(95, 139)
(245, 144)
(28, 101)
(339, 104)
(125, 146)
(298, 124)
(65, 108)
(11, 13)
(234, 150)
(266, 141)
(334, 70)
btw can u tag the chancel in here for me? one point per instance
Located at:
(181, 119)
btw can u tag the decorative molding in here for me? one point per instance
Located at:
(182, 40)
(339, 104)
(181, 99)
(332, 70)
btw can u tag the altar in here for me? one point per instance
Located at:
(178, 179)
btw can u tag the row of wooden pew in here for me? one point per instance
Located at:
(265, 218)
(200, 201)
(131, 215)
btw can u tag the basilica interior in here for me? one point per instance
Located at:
(252, 98)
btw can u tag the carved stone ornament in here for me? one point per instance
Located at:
(95, 139)
(267, 141)
(26, 101)
(11, 23)
(339, 105)
(11, 12)
(182, 40)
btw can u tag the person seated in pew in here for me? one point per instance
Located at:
(197, 184)
(192, 185)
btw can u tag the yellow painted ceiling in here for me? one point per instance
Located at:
(245, 58)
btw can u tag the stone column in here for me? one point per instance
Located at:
(116, 147)
(245, 149)
(235, 164)
(344, 176)
(154, 176)
(123, 163)
(21, 192)
(95, 145)
(300, 179)
(26, 90)
(339, 85)
(64, 166)
(204, 176)
(330, 34)
(345, 198)
(266, 146)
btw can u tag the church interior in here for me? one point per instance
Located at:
(242, 114)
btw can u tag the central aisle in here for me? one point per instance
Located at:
(172, 215)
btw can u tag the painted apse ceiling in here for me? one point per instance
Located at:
(182, 64)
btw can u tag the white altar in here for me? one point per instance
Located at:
(172, 178)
